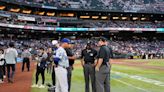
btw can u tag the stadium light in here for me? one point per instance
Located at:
(2, 7)
(143, 18)
(14, 10)
(50, 14)
(67, 14)
(123, 18)
(26, 11)
(70, 14)
(95, 17)
(115, 18)
(84, 17)
(41, 13)
(135, 18)
(104, 17)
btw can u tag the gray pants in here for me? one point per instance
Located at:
(69, 75)
(89, 73)
(102, 79)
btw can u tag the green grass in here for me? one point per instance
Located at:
(78, 80)
(118, 83)
(148, 73)
(47, 80)
(156, 63)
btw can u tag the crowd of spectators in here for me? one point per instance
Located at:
(126, 24)
(33, 45)
(116, 5)
(139, 48)
(129, 47)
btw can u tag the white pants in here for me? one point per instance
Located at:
(61, 79)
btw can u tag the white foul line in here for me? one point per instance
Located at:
(136, 77)
(131, 85)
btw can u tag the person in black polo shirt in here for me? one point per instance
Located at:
(88, 57)
(103, 67)
(71, 58)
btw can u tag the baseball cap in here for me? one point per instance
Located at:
(66, 40)
(54, 42)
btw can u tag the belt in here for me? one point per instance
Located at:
(106, 64)
(88, 63)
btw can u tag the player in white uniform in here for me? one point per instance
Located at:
(60, 70)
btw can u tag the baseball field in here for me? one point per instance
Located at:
(126, 76)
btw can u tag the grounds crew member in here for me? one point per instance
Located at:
(103, 67)
(88, 57)
(26, 55)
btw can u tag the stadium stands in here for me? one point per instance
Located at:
(115, 5)
(130, 48)
(127, 24)
(23, 19)
(34, 21)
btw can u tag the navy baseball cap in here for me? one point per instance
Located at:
(66, 40)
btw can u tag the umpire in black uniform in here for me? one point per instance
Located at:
(88, 57)
(71, 59)
(103, 67)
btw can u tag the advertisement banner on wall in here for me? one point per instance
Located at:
(25, 18)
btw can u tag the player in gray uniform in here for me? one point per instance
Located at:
(61, 69)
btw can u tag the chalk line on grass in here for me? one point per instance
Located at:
(128, 84)
(136, 77)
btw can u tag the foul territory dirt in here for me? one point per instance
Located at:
(22, 80)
